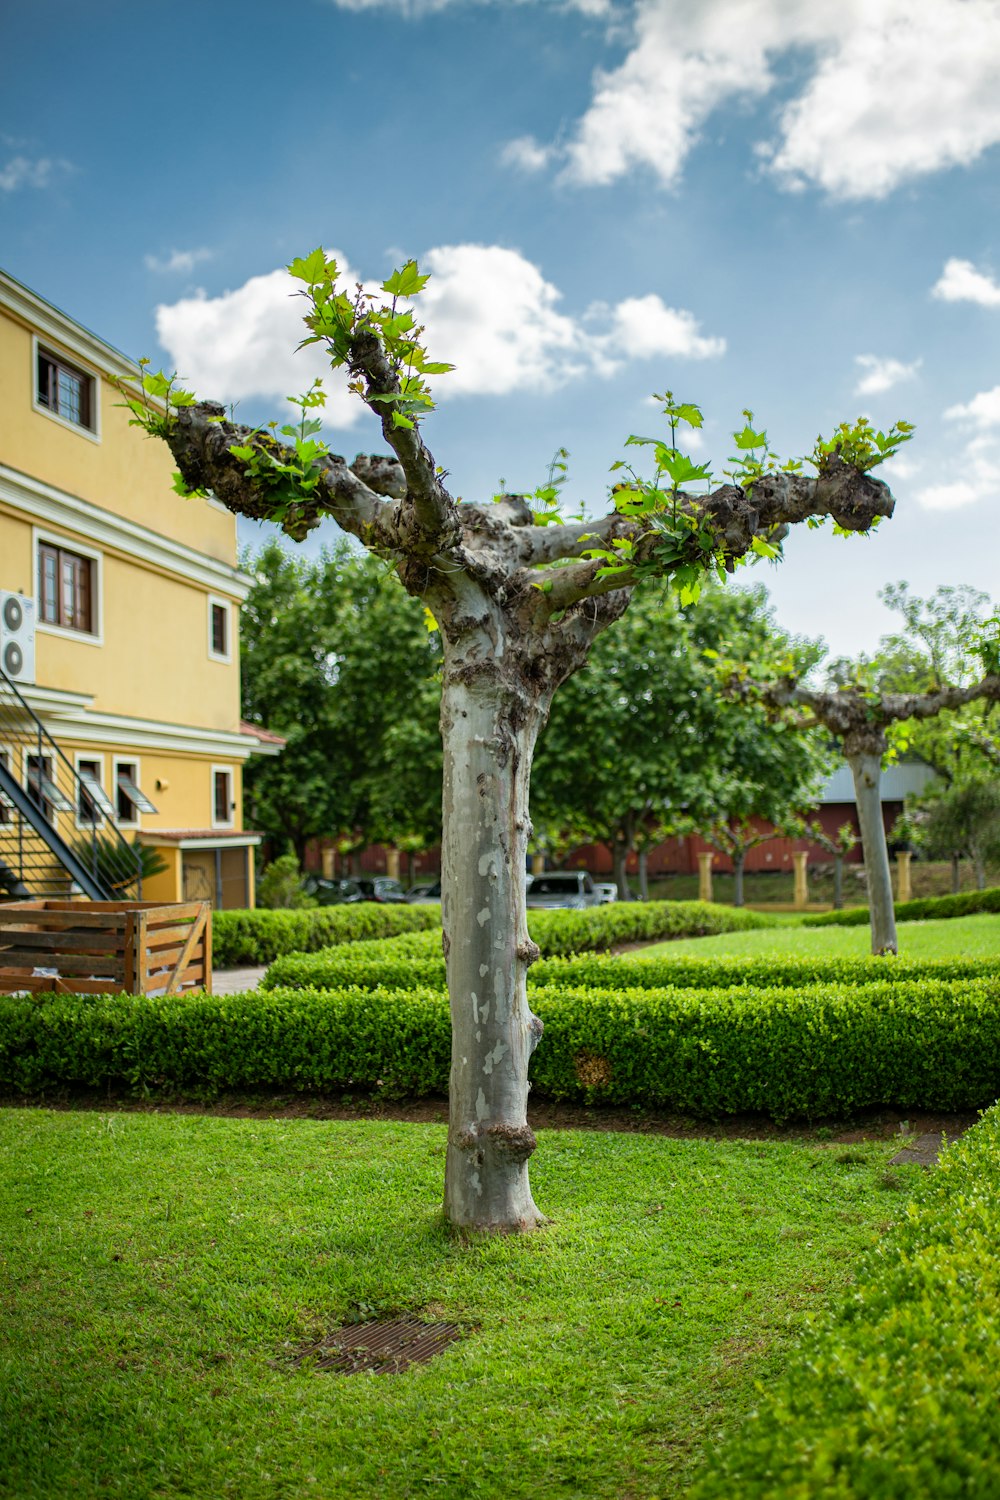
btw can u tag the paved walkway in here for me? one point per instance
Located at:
(234, 981)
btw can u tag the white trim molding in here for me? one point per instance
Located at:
(58, 326)
(43, 502)
(93, 637)
(202, 841)
(115, 730)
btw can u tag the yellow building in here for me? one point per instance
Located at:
(119, 640)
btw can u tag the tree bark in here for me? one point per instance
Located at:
(621, 848)
(956, 874)
(739, 864)
(838, 882)
(489, 733)
(866, 768)
(643, 874)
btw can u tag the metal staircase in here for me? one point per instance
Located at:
(58, 835)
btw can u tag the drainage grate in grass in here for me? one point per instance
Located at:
(383, 1347)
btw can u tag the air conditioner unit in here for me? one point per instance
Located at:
(17, 636)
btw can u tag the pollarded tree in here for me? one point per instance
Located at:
(861, 718)
(519, 603)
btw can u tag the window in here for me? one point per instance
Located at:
(6, 808)
(66, 588)
(130, 799)
(218, 629)
(42, 789)
(65, 391)
(223, 806)
(93, 802)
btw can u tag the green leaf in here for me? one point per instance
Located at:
(750, 439)
(313, 267)
(406, 282)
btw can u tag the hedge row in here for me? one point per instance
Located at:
(259, 937)
(417, 962)
(966, 904)
(821, 1050)
(601, 927)
(895, 1395)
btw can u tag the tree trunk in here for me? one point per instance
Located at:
(866, 768)
(643, 874)
(956, 874)
(838, 882)
(621, 848)
(739, 862)
(489, 731)
(978, 867)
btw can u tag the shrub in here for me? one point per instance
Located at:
(417, 961)
(601, 927)
(281, 888)
(895, 1394)
(967, 904)
(819, 1050)
(259, 937)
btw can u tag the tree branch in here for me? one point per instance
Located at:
(201, 442)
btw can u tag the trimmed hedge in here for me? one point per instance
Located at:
(895, 1395)
(600, 927)
(966, 904)
(821, 1050)
(259, 937)
(417, 962)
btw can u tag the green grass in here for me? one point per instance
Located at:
(154, 1271)
(959, 937)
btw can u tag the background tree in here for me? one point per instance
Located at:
(640, 745)
(335, 657)
(519, 602)
(962, 820)
(838, 846)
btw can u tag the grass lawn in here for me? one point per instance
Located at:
(154, 1271)
(957, 937)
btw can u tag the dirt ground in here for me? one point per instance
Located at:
(867, 1125)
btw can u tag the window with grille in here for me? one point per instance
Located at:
(65, 391)
(222, 798)
(66, 588)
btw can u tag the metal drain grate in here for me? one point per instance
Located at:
(384, 1347)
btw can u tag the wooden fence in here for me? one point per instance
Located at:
(105, 947)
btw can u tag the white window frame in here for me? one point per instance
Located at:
(93, 637)
(49, 761)
(41, 346)
(125, 760)
(231, 820)
(215, 601)
(91, 755)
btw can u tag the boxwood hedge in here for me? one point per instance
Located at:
(966, 904)
(895, 1395)
(400, 963)
(820, 1050)
(259, 937)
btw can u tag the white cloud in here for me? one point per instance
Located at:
(526, 154)
(898, 88)
(487, 310)
(882, 374)
(961, 282)
(177, 260)
(23, 171)
(982, 411)
(976, 466)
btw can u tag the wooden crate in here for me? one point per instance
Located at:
(106, 947)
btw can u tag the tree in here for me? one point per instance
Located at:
(839, 845)
(519, 603)
(640, 745)
(963, 819)
(861, 718)
(338, 659)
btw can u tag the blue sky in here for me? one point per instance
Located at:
(789, 205)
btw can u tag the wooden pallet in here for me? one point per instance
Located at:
(105, 947)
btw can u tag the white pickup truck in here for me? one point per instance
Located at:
(563, 888)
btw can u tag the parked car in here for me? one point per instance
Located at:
(562, 888)
(425, 893)
(381, 888)
(606, 890)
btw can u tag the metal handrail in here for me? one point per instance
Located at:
(101, 828)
